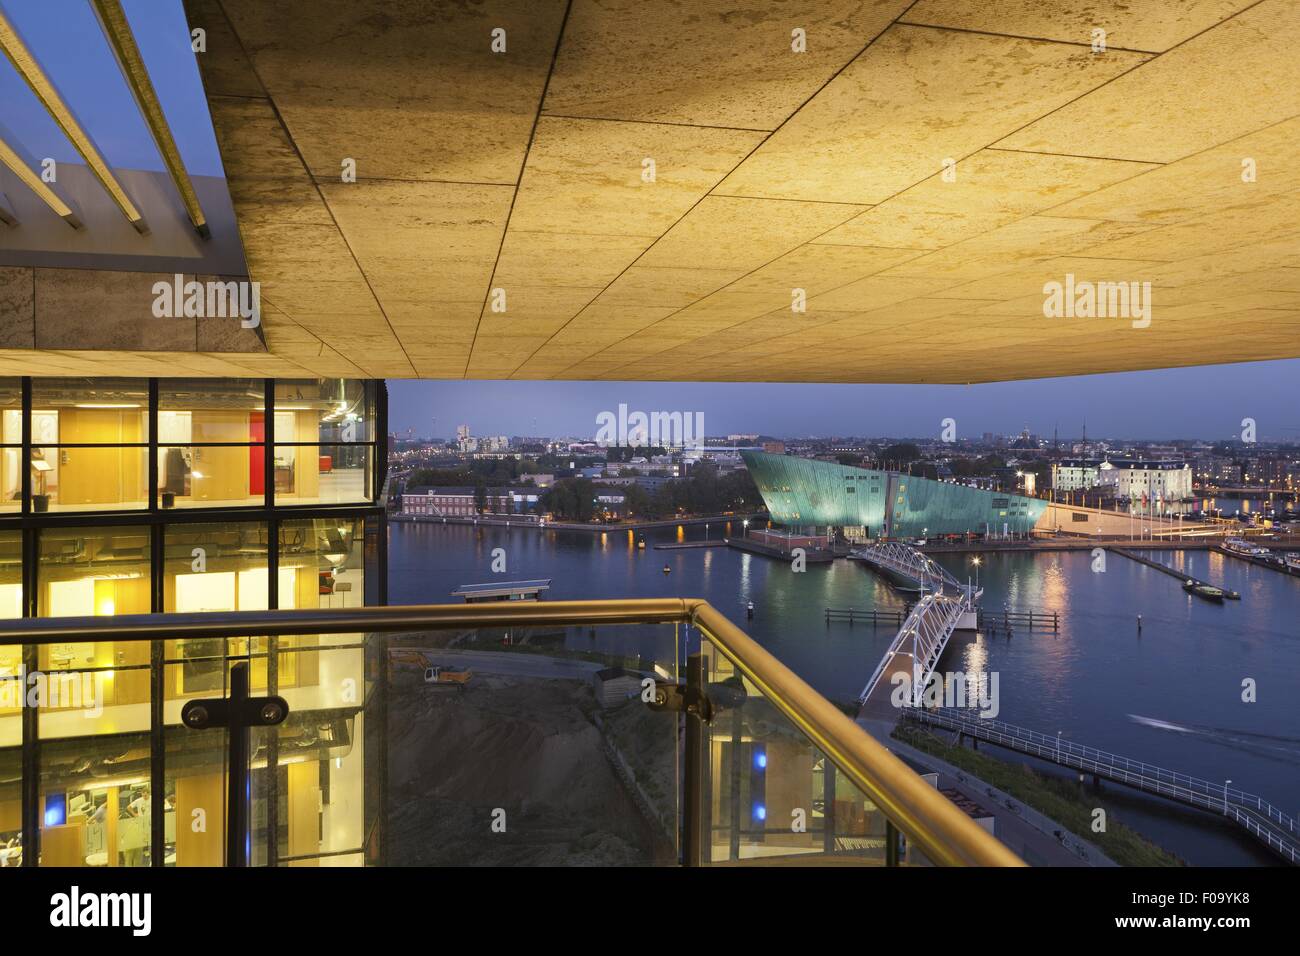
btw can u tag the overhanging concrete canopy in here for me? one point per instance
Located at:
(920, 172)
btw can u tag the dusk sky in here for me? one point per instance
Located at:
(66, 38)
(1205, 402)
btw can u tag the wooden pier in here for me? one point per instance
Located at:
(1172, 572)
(987, 618)
(892, 617)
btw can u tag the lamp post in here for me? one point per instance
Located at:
(976, 561)
(1225, 795)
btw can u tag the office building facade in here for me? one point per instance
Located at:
(189, 497)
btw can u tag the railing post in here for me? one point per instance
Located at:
(237, 713)
(693, 776)
(237, 770)
(891, 843)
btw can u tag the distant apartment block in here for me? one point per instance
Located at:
(461, 502)
(1075, 474)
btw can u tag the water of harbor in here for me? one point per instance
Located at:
(1169, 694)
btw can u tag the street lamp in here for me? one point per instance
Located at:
(1225, 795)
(976, 561)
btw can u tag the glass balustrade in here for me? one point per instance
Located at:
(636, 733)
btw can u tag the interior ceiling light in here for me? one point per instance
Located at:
(16, 50)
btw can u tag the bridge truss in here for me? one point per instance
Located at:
(924, 634)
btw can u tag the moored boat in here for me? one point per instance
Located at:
(1207, 591)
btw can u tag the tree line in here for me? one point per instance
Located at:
(704, 492)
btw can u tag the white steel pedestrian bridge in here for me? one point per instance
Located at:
(944, 606)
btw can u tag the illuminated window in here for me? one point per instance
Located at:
(95, 801)
(324, 434)
(213, 568)
(326, 557)
(11, 438)
(211, 442)
(11, 692)
(89, 444)
(88, 572)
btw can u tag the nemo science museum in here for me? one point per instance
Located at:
(863, 503)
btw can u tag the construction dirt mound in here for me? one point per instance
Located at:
(525, 746)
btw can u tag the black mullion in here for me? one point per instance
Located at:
(273, 601)
(382, 591)
(31, 787)
(25, 507)
(268, 443)
(157, 756)
(157, 674)
(31, 790)
(153, 444)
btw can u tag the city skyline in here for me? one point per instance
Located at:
(1155, 404)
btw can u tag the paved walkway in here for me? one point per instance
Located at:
(1028, 833)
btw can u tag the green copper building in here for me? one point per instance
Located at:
(866, 503)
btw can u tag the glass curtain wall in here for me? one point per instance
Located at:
(11, 445)
(89, 445)
(196, 499)
(211, 443)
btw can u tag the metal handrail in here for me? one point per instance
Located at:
(1177, 786)
(943, 832)
(907, 560)
(1118, 762)
(932, 822)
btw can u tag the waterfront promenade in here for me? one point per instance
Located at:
(531, 521)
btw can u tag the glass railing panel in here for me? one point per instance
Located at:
(77, 703)
(197, 763)
(95, 802)
(194, 806)
(527, 744)
(530, 745)
(92, 706)
(11, 805)
(308, 780)
(770, 795)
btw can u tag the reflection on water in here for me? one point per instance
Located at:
(1183, 671)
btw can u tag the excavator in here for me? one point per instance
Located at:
(433, 673)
